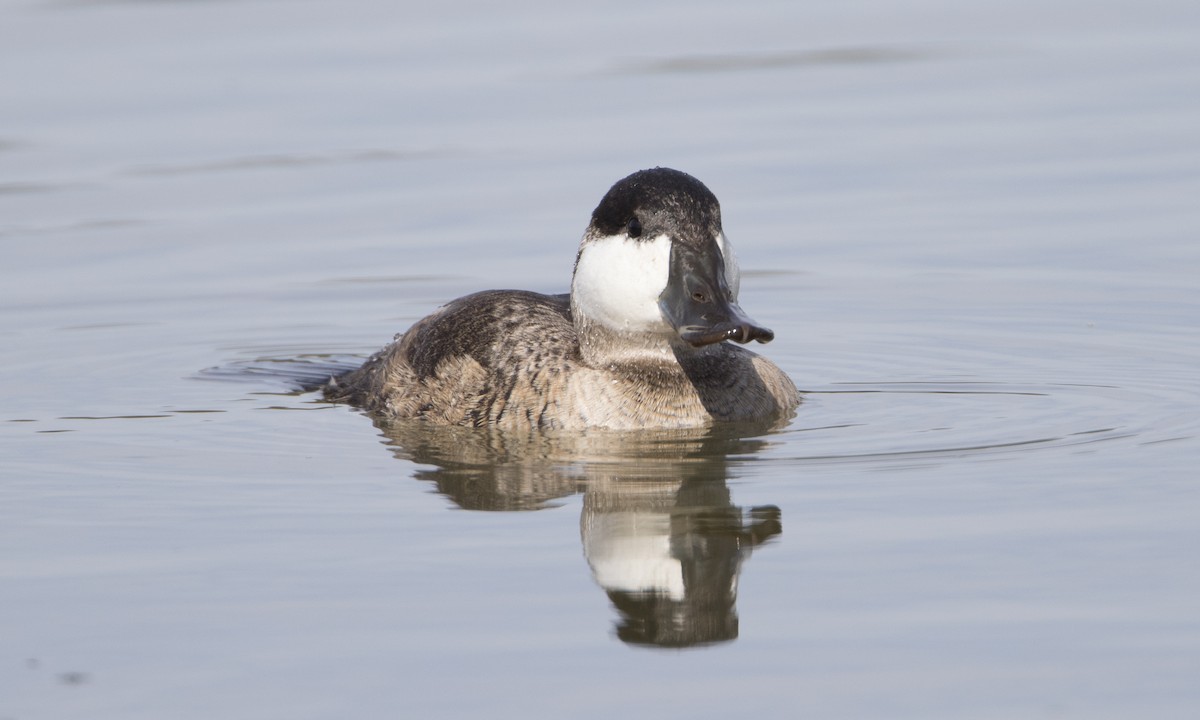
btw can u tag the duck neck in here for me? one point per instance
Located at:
(604, 347)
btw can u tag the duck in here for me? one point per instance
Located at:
(645, 339)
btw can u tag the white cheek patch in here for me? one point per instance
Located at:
(733, 273)
(618, 280)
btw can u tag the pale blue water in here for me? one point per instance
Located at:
(973, 229)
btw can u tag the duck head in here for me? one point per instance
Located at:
(654, 263)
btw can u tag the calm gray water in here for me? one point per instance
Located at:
(973, 227)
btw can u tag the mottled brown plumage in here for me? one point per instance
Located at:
(511, 358)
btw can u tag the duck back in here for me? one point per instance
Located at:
(497, 357)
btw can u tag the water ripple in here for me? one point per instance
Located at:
(697, 64)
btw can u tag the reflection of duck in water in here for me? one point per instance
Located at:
(659, 530)
(639, 342)
(668, 555)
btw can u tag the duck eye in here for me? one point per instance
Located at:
(634, 227)
(699, 297)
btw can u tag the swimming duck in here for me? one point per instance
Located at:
(640, 341)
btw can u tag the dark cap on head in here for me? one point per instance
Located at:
(659, 201)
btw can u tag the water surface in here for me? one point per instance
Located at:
(971, 228)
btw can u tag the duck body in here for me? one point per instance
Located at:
(638, 343)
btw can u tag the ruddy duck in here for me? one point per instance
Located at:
(638, 343)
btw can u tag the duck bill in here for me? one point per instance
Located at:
(732, 325)
(698, 304)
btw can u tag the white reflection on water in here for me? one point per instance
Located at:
(659, 529)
